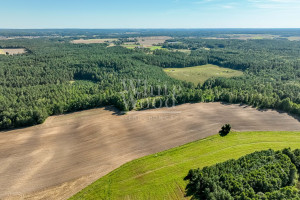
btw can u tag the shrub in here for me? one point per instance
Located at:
(225, 130)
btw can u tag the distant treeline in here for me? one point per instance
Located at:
(123, 33)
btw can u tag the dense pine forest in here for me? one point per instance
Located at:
(260, 175)
(55, 76)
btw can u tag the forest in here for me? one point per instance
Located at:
(265, 175)
(125, 33)
(56, 76)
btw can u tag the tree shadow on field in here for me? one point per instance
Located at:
(293, 115)
(279, 111)
(263, 109)
(114, 110)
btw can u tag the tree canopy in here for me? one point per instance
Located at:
(56, 76)
(261, 175)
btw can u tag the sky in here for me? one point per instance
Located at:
(150, 14)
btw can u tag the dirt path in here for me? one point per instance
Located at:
(66, 153)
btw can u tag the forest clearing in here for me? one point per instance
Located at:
(199, 74)
(13, 51)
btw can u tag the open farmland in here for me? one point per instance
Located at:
(160, 176)
(94, 41)
(130, 45)
(151, 41)
(68, 152)
(245, 36)
(13, 51)
(200, 74)
(147, 42)
(183, 50)
(155, 48)
(296, 38)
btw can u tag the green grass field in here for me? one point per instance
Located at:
(155, 48)
(160, 176)
(200, 74)
(132, 46)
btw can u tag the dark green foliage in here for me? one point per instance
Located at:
(271, 70)
(225, 130)
(41, 82)
(260, 175)
(59, 77)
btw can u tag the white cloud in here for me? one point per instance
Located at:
(276, 4)
(285, 1)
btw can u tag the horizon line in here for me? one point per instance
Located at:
(139, 28)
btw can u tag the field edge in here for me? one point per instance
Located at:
(186, 146)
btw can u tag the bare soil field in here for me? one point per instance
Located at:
(147, 41)
(144, 41)
(68, 152)
(296, 38)
(13, 51)
(150, 41)
(93, 41)
(20, 37)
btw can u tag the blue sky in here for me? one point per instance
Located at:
(150, 13)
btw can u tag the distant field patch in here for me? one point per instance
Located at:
(130, 45)
(294, 38)
(245, 36)
(152, 41)
(147, 42)
(184, 50)
(200, 74)
(155, 48)
(12, 51)
(253, 37)
(133, 46)
(94, 41)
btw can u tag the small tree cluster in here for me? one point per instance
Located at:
(261, 175)
(225, 130)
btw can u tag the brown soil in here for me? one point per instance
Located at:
(68, 152)
(150, 41)
(13, 51)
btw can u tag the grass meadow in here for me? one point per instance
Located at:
(200, 74)
(160, 176)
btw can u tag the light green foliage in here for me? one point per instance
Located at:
(264, 174)
(200, 74)
(160, 176)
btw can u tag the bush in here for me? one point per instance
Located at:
(225, 130)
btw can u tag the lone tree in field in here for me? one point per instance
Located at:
(225, 130)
